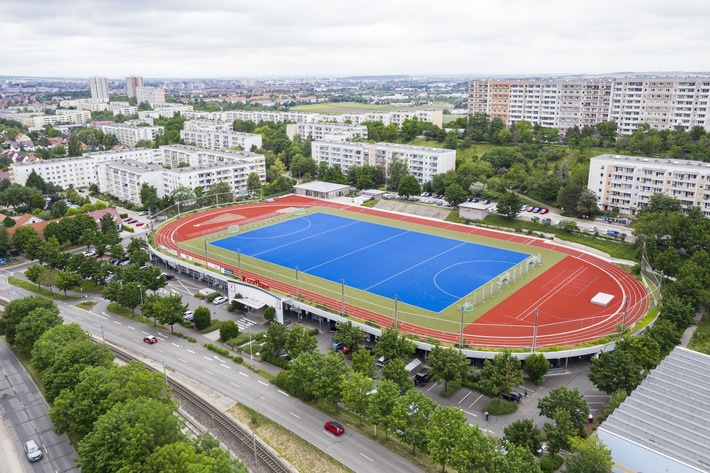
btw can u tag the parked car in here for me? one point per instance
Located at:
(140, 224)
(168, 277)
(32, 450)
(592, 229)
(89, 254)
(613, 233)
(145, 212)
(513, 396)
(536, 209)
(382, 361)
(219, 300)
(334, 427)
(337, 346)
(189, 315)
(544, 210)
(422, 378)
(150, 339)
(114, 262)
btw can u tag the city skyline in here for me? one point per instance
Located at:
(313, 38)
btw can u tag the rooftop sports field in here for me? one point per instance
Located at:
(377, 266)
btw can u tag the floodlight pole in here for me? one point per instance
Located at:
(239, 263)
(623, 322)
(461, 338)
(297, 282)
(342, 297)
(396, 298)
(534, 345)
(205, 240)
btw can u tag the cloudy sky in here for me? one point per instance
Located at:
(238, 38)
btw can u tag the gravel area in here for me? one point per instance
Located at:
(421, 210)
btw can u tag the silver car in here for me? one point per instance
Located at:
(34, 453)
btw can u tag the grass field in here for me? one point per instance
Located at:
(447, 320)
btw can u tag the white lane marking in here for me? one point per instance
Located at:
(132, 328)
(217, 358)
(470, 413)
(159, 350)
(183, 361)
(284, 393)
(474, 402)
(190, 351)
(366, 457)
(261, 382)
(99, 325)
(208, 372)
(105, 318)
(207, 358)
(433, 386)
(162, 335)
(175, 344)
(235, 385)
(105, 314)
(297, 417)
(144, 333)
(244, 374)
(117, 322)
(464, 398)
(225, 366)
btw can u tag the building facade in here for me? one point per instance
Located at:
(207, 125)
(221, 139)
(326, 131)
(628, 182)
(663, 103)
(124, 178)
(132, 83)
(150, 95)
(129, 134)
(423, 163)
(98, 87)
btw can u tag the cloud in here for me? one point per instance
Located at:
(220, 38)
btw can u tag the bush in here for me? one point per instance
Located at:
(224, 352)
(281, 380)
(500, 407)
(270, 314)
(228, 330)
(275, 360)
(203, 318)
(451, 389)
(550, 463)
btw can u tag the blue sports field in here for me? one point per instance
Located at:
(427, 271)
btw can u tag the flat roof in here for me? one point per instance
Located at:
(320, 186)
(664, 163)
(669, 412)
(474, 205)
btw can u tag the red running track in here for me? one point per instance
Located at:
(560, 295)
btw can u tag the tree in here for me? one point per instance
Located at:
(149, 197)
(299, 341)
(411, 416)
(74, 146)
(509, 205)
(537, 366)
(34, 273)
(356, 388)
(473, 452)
(275, 340)
(396, 170)
(444, 432)
(127, 434)
(395, 371)
(253, 183)
(524, 433)
(130, 295)
(569, 401)
(590, 456)
(33, 325)
(455, 194)
(363, 362)
(25, 239)
(517, 459)
(381, 403)
(501, 373)
(301, 165)
(408, 186)
(330, 372)
(477, 189)
(561, 432)
(202, 320)
(228, 330)
(391, 345)
(17, 310)
(66, 280)
(587, 204)
(612, 371)
(350, 335)
(447, 364)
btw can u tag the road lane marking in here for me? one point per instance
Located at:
(190, 351)
(117, 322)
(207, 358)
(464, 398)
(261, 382)
(235, 385)
(284, 393)
(217, 358)
(206, 371)
(158, 349)
(297, 417)
(471, 413)
(144, 333)
(366, 457)
(225, 366)
(183, 361)
(474, 402)
(433, 386)
(132, 328)
(175, 344)
(244, 374)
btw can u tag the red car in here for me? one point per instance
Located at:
(140, 224)
(334, 427)
(345, 350)
(544, 210)
(150, 339)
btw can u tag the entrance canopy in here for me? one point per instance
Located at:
(253, 303)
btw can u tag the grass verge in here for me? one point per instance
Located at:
(701, 338)
(298, 452)
(39, 290)
(86, 305)
(214, 325)
(500, 407)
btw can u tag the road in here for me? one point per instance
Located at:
(236, 382)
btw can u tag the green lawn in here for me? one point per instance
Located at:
(701, 338)
(447, 320)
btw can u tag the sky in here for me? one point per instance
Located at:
(335, 38)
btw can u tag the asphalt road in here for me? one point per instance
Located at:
(25, 412)
(234, 381)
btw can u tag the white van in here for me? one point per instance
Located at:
(206, 292)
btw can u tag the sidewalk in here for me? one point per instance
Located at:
(12, 459)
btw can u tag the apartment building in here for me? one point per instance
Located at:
(124, 178)
(395, 117)
(92, 105)
(98, 87)
(423, 163)
(132, 83)
(122, 108)
(326, 131)
(164, 110)
(663, 103)
(129, 133)
(207, 125)
(62, 117)
(221, 139)
(628, 182)
(150, 95)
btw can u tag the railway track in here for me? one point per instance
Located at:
(265, 455)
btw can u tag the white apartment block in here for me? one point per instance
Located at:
(150, 95)
(129, 134)
(423, 163)
(165, 110)
(122, 108)
(64, 172)
(98, 87)
(221, 139)
(663, 103)
(207, 125)
(395, 117)
(62, 117)
(628, 182)
(124, 179)
(92, 105)
(326, 131)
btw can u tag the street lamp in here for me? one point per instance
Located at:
(251, 353)
(140, 290)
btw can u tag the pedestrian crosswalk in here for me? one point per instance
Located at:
(245, 323)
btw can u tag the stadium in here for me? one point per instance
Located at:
(437, 281)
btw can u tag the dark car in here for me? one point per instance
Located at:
(334, 427)
(422, 378)
(513, 396)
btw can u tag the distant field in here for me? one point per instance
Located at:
(343, 107)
